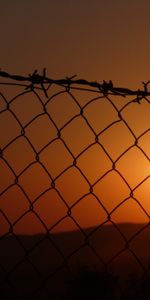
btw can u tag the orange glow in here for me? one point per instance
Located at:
(91, 169)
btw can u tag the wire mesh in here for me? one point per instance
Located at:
(70, 140)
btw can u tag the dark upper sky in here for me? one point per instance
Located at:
(100, 39)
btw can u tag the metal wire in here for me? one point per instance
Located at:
(46, 91)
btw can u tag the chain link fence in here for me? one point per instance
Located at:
(75, 188)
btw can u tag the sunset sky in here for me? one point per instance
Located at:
(95, 40)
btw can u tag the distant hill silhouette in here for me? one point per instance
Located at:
(27, 260)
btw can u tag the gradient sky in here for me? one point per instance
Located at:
(96, 40)
(102, 39)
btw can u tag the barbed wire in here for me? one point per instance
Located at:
(104, 87)
(34, 84)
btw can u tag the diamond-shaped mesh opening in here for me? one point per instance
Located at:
(50, 207)
(34, 131)
(99, 121)
(62, 108)
(77, 188)
(77, 135)
(48, 158)
(94, 163)
(34, 180)
(28, 109)
(89, 203)
(14, 203)
(19, 154)
(138, 166)
(111, 182)
(116, 139)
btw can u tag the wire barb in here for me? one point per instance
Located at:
(105, 87)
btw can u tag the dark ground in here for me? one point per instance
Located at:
(69, 266)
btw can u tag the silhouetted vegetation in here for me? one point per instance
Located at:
(138, 287)
(93, 284)
(97, 285)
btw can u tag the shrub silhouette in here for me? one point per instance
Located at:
(101, 285)
(93, 284)
(138, 288)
